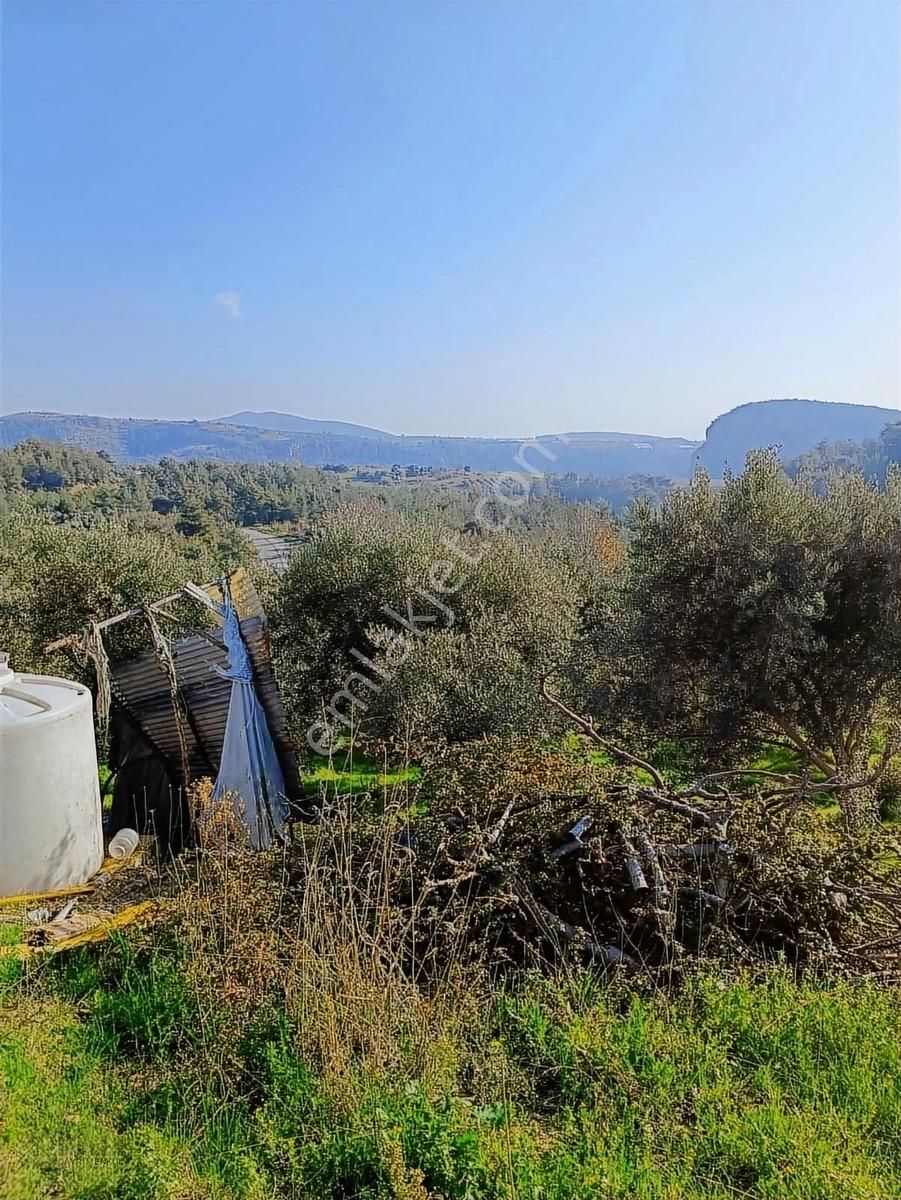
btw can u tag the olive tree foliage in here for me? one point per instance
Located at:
(55, 579)
(759, 612)
(448, 634)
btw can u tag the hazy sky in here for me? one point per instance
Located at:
(470, 217)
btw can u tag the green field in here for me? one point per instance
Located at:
(119, 1079)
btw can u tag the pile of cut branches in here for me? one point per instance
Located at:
(531, 854)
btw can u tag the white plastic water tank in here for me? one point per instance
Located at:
(51, 832)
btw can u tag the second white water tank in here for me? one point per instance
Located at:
(51, 832)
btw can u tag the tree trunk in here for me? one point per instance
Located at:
(860, 808)
(860, 805)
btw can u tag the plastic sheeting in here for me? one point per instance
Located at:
(249, 772)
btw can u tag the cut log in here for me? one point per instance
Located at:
(633, 864)
(652, 861)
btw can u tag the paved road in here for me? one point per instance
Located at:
(274, 551)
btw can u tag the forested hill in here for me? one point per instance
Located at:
(291, 423)
(794, 426)
(136, 441)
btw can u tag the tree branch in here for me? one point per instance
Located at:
(587, 726)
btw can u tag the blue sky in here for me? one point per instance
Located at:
(471, 217)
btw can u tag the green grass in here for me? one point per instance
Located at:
(219, 1059)
(61, 1112)
(350, 774)
(115, 1084)
(11, 933)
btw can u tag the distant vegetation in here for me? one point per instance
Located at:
(64, 481)
(871, 458)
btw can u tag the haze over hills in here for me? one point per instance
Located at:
(795, 426)
(290, 423)
(131, 440)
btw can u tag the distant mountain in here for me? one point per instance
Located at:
(289, 423)
(608, 455)
(794, 426)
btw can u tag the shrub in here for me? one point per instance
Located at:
(472, 664)
(54, 579)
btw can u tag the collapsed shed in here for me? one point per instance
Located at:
(202, 702)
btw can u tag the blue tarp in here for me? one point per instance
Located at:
(249, 773)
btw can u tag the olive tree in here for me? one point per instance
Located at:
(406, 628)
(760, 612)
(55, 579)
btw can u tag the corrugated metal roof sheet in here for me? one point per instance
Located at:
(197, 736)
